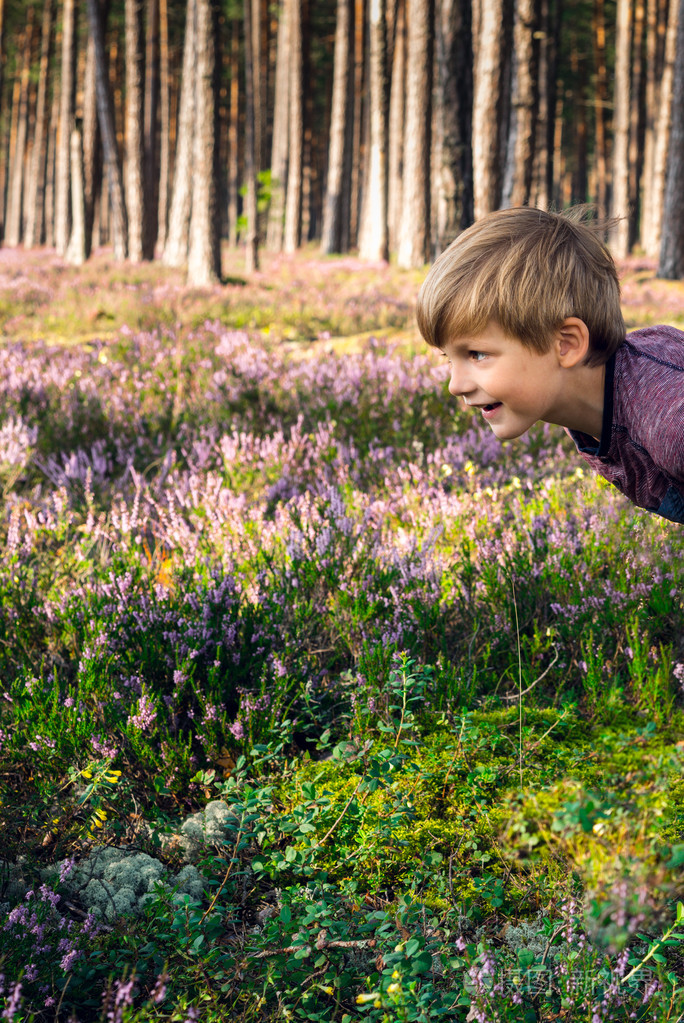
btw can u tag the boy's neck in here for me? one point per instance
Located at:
(582, 408)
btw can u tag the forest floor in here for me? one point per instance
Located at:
(317, 703)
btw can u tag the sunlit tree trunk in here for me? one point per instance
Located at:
(525, 104)
(234, 135)
(15, 199)
(92, 144)
(335, 234)
(671, 264)
(395, 159)
(600, 104)
(204, 260)
(487, 169)
(66, 119)
(36, 182)
(252, 233)
(134, 134)
(76, 249)
(280, 141)
(636, 118)
(655, 166)
(165, 124)
(621, 105)
(293, 203)
(176, 249)
(414, 241)
(373, 242)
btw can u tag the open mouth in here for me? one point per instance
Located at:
(491, 408)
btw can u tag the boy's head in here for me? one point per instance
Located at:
(526, 270)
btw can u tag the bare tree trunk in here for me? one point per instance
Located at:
(454, 99)
(36, 183)
(600, 105)
(636, 126)
(15, 200)
(373, 240)
(177, 241)
(414, 242)
(76, 249)
(165, 123)
(358, 121)
(486, 109)
(339, 154)
(621, 102)
(251, 136)
(50, 170)
(66, 118)
(134, 133)
(395, 161)
(105, 113)
(92, 144)
(150, 200)
(654, 178)
(671, 265)
(525, 102)
(279, 150)
(234, 135)
(293, 203)
(204, 260)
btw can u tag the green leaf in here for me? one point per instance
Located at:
(285, 915)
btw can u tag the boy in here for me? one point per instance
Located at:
(525, 305)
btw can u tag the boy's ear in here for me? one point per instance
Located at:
(572, 342)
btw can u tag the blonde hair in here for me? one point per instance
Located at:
(526, 269)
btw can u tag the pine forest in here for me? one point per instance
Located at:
(165, 129)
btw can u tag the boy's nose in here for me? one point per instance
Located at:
(459, 384)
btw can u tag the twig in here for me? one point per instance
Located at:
(516, 696)
(361, 943)
(225, 880)
(344, 810)
(61, 999)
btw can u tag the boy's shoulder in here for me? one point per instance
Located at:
(650, 347)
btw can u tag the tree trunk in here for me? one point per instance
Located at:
(655, 169)
(165, 124)
(105, 113)
(177, 241)
(151, 91)
(92, 144)
(50, 170)
(279, 149)
(621, 103)
(671, 265)
(15, 199)
(454, 98)
(359, 120)
(293, 203)
(525, 102)
(36, 184)
(339, 151)
(204, 260)
(373, 241)
(251, 137)
(76, 250)
(234, 135)
(134, 129)
(636, 125)
(600, 105)
(395, 160)
(66, 118)
(414, 241)
(487, 98)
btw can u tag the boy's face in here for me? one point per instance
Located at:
(512, 385)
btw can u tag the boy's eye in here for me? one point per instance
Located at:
(477, 356)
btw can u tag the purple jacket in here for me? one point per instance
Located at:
(642, 438)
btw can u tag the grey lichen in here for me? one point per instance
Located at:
(115, 882)
(206, 828)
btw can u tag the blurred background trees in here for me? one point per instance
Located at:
(166, 127)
